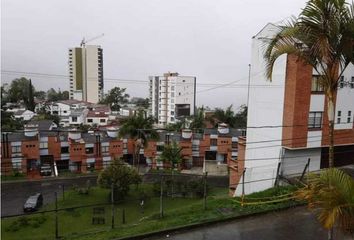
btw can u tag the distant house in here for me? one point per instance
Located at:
(24, 115)
(77, 117)
(44, 125)
(97, 118)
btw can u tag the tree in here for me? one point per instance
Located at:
(322, 37)
(140, 128)
(224, 116)
(178, 126)
(30, 104)
(54, 96)
(197, 120)
(116, 98)
(331, 195)
(241, 117)
(4, 94)
(171, 154)
(9, 123)
(40, 95)
(121, 176)
(19, 90)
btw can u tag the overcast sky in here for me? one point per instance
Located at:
(209, 39)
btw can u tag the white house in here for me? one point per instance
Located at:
(77, 117)
(24, 115)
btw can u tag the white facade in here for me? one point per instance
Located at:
(86, 73)
(171, 97)
(24, 115)
(264, 148)
(78, 117)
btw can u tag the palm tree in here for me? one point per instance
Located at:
(140, 128)
(197, 120)
(227, 116)
(323, 37)
(331, 195)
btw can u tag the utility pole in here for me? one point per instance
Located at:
(112, 204)
(161, 197)
(205, 190)
(56, 216)
(249, 83)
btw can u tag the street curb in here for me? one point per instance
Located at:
(46, 179)
(184, 228)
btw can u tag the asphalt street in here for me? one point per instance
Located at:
(15, 194)
(293, 224)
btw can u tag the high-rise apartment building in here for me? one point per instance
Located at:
(86, 73)
(172, 97)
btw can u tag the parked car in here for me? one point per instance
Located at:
(46, 170)
(33, 203)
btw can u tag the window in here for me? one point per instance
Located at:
(210, 155)
(160, 148)
(172, 100)
(74, 119)
(341, 82)
(352, 83)
(64, 111)
(102, 120)
(172, 113)
(349, 116)
(43, 145)
(16, 149)
(172, 88)
(64, 150)
(316, 85)
(172, 119)
(179, 94)
(89, 120)
(89, 150)
(339, 114)
(105, 149)
(213, 142)
(315, 120)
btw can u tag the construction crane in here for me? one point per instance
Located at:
(83, 42)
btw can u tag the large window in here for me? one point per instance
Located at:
(74, 119)
(316, 85)
(352, 83)
(89, 150)
(16, 149)
(64, 150)
(105, 149)
(341, 82)
(43, 145)
(315, 120)
(213, 142)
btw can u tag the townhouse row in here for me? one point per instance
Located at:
(74, 151)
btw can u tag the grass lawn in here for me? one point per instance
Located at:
(74, 224)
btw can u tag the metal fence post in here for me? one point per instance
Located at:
(161, 197)
(123, 216)
(205, 190)
(243, 186)
(56, 216)
(112, 204)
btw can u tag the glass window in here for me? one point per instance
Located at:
(74, 119)
(315, 120)
(102, 120)
(213, 142)
(43, 145)
(89, 120)
(352, 83)
(89, 150)
(341, 82)
(105, 149)
(64, 149)
(316, 85)
(16, 149)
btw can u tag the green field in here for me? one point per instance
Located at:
(77, 223)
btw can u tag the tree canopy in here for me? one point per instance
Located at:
(116, 98)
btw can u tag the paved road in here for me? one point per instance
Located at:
(15, 194)
(292, 224)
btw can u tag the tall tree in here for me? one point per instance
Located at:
(40, 95)
(331, 195)
(241, 117)
(197, 120)
(323, 37)
(53, 95)
(116, 98)
(30, 104)
(224, 116)
(140, 128)
(19, 90)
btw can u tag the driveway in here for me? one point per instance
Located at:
(293, 224)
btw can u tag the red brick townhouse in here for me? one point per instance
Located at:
(74, 151)
(287, 123)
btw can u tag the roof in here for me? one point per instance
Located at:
(96, 114)
(43, 124)
(20, 112)
(72, 101)
(233, 132)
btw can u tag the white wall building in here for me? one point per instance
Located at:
(171, 97)
(294, 103)
(86, 73)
